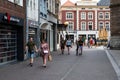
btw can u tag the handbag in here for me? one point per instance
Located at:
(49, 58)
(45, 51)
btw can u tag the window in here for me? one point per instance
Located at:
(107, 15)
(69, 15)
(83, 26)
(101, 15)
(47, 3)
(18, 2)
(70, 26)
(107, 25)
(90, 25)
(31, 4)
(90, 15)
(101, 25)
(83, 8)
(11, 1)
(83, 15)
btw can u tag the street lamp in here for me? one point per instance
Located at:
(66, 24)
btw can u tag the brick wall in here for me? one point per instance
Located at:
(12, 9)
(64, 17)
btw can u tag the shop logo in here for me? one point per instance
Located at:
(9, 18)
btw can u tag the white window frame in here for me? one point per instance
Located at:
(108, 29)
(90, 23)
(83, 15)
(100, 25)
(69, 16)
(11, 1)
(70, 26)
(101, 14)
(83, 26)
(107, 15)
(18, 2)
(90, 15)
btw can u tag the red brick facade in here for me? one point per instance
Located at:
(64, 17)
(86, 20)
(13, 9)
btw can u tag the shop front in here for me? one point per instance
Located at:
(32, 30)
(11, 38)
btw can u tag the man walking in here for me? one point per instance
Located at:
(62, 45)
(80, 46)
(31, 47)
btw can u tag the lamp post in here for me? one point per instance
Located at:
(65, 25)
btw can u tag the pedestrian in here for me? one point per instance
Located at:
(45, 51)
(31, 47)
(69, 45)
(108, 44)
(91, 42)
(80, 44)
(86, 42)
(62, 45)
(77, 46)
(95, 42)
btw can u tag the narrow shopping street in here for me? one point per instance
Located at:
(92, 65)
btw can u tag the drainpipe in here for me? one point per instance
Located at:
(27, 28)
(38, 28)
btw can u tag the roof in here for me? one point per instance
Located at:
(68, 3)
(104, 3)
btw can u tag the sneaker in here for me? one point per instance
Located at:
(44, 65)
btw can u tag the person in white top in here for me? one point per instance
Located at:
(68, 45)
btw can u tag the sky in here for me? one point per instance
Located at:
(63, 1)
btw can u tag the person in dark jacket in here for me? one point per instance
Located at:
(62, 45)
(80, 46)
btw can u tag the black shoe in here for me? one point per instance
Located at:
(44, 66)
(77, 53)
(68, 53)
(80, 53)
(31, 65)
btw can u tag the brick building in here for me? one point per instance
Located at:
(12, 26)
(85, 18)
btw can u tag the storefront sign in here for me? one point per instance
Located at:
(10, 18)
(13, 20)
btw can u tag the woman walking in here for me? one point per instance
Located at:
(69, 44)
(45, 52)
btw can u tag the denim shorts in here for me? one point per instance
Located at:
(31, 54)
(80, 47)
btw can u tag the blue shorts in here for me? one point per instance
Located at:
(80, 47)
(31, 55)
